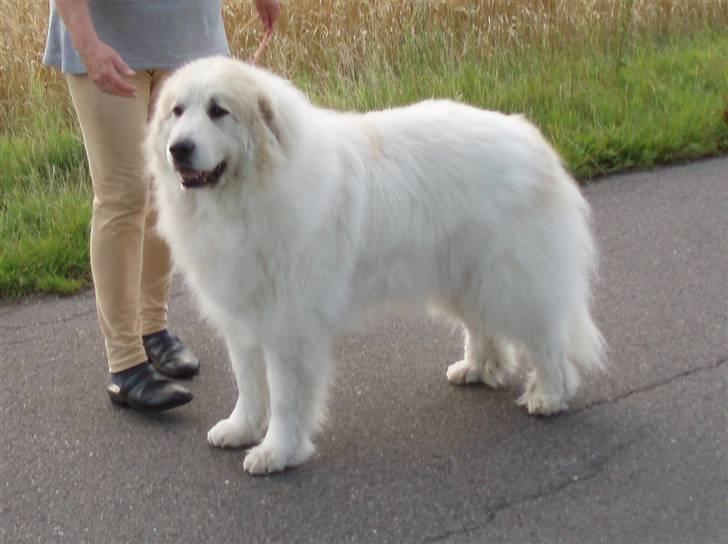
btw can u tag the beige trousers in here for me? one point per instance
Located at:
(130, 263)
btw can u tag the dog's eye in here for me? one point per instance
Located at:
(215, 112)
(177, 111)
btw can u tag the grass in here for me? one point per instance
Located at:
(45, 210)
(614, 84)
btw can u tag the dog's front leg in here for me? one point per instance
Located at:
(248, 421)
(297, 372)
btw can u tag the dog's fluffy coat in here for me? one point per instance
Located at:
(320, 216)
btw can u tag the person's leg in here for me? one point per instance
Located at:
(157, 263)
(164, 349)
(113, 129)
(156, 276)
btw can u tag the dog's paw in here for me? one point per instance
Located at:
(264, 459)
(465, 372)
(542, 405)
(232, 433)
(539, 403)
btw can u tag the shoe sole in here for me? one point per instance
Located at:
(118, 400)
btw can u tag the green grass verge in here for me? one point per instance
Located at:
(45, 206)
(661, 100)
(664, 100)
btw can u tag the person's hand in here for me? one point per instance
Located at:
(268, 11)
(107, 69)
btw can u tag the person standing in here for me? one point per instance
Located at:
(114, 57)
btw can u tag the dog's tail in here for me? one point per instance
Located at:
(586, 344)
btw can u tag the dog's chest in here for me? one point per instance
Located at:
(222, 263)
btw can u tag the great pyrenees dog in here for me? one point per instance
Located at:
(291, 222)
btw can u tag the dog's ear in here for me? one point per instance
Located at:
(269, 117)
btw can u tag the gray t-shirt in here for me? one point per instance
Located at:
(148, 34)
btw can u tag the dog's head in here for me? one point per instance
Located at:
(215, 120)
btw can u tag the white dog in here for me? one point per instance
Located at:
(290, 222)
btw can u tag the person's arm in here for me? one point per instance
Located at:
(268, 11)
(105, 66)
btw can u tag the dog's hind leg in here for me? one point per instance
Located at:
(554, 378)
(298, 379)
(248, 421)
(488, 359)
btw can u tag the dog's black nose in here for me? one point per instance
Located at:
(182, 150)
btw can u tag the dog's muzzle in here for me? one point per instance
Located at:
(192, 179)
(182, 153)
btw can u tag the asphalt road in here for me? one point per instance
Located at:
(642, 455)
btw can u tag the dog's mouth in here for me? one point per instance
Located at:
(192, 179)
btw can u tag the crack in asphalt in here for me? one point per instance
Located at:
(593, 470)
(649, 387)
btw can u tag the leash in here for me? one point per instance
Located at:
(262, 47)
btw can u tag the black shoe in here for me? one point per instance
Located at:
(169, 356)
(144, 389)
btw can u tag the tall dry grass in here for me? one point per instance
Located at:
(313, 32)
(316, 40)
